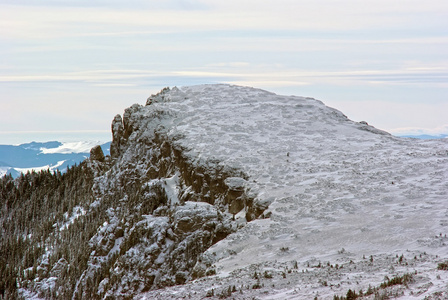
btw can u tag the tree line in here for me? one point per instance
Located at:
(31, 207)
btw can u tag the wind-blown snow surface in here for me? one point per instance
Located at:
(340, 192)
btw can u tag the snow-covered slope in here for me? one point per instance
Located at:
(233, 192)
(337, 190)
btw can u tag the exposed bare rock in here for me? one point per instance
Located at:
(117, 136)
(96, 153)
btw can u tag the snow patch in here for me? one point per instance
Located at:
(4, 171)
(71, 147)
(43, 168)
(171, 186)
(76, 213)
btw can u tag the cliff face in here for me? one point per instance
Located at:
(157, 206)
(174, 208)
(168, 207)
(229, 180)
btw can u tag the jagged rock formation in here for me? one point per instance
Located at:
(161, 208)
(234, 181)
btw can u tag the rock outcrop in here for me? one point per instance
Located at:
(169, 206)
(97, 154)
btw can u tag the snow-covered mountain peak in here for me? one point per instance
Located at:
(330, 183)
(226, 191)
(263, 134)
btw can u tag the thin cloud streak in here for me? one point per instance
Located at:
(440, 130)
(105, 78)
(35, 22)
(52, 131)
(97, 57)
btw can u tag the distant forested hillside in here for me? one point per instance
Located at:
(31, 207)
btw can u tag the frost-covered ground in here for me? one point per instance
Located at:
(340, 193)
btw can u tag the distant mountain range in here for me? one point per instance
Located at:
(15, 159)
(426, 136)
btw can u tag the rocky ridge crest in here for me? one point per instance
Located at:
(224, 179)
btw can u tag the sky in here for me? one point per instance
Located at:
(68, 67)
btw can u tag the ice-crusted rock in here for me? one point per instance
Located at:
(160, 96)
(235, 184)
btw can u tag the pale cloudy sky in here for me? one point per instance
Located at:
(67, 67)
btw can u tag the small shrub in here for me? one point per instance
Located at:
(232, 252)
(351, 295)
(210, 293)
(324, 282)
(255, 275)
(256, 286)
(443, 266)
(226, 292)
(381, 296)
(210, 272)
(370, 291)
(405, 279)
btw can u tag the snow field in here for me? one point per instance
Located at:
(332, 183)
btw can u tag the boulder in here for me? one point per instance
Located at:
(96, 153)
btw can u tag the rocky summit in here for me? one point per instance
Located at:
(224, 191)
